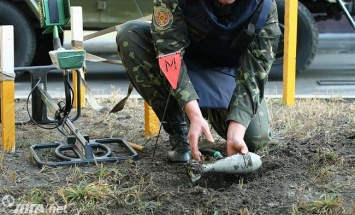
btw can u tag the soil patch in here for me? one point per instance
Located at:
(308, 167)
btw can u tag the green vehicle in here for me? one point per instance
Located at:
(31, 46)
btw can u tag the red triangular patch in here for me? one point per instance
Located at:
(170, 65)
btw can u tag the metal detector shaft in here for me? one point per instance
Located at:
(78, 149)
(54, 108)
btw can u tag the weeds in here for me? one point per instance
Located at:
(34, 196)
(330, 204)
(133, 194)
(310, 116)
(109, 174)
(2, 155)
(310, 154)
(86, 192)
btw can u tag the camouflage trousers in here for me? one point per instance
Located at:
(136, 50)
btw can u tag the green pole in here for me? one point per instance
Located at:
(55, 32)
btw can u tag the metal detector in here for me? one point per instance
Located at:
(78, 149)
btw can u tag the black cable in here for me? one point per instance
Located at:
(28, 111)
(64, 110)
(161, 123)
(68, 95)
(78, 96)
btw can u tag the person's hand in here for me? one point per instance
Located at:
(236, 146)
(235, 139)
(198, 127)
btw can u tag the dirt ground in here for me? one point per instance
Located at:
(308, 167)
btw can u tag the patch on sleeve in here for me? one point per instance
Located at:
(162, 18)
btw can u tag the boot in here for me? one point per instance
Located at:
(180, 152)
(175, 124)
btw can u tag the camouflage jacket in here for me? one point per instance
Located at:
(170, 34)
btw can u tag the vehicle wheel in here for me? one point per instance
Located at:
(24, 35)
(307, 41)
(44, 45)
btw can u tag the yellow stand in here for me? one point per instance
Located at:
(7, 88)
(290, 44)
(151, 121)
(77, 35)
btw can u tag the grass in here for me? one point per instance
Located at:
(329, 203)
(2, 154)
(127, 187)
(311, 116)
(307, 119)
(85, 191)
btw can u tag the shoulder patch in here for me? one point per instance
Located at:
(162, 18)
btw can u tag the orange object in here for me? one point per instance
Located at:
(151, 121)
(170, 65)
(136, 147)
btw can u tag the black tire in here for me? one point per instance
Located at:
(307, 41)
(44, 45)
(24, 35)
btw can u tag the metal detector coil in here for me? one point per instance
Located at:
(71, 154)
(78, 149)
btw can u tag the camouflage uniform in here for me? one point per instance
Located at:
(139, 44)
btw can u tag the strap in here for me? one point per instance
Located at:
(258, 19)
(113, 29)
(263, 15)
(256, 14)
(94, 58)
(119, 106)
(91, 99)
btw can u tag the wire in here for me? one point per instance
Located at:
(65, 109)
(161, 124)
(28, 111)
(60, 115)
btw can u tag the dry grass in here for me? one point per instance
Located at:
(2, 153)
(311, 116)
(129, 188)
(308, 119)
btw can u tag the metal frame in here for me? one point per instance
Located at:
(81, 149)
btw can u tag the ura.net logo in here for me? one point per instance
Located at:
(10, 204)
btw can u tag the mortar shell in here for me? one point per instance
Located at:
(235, 164)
